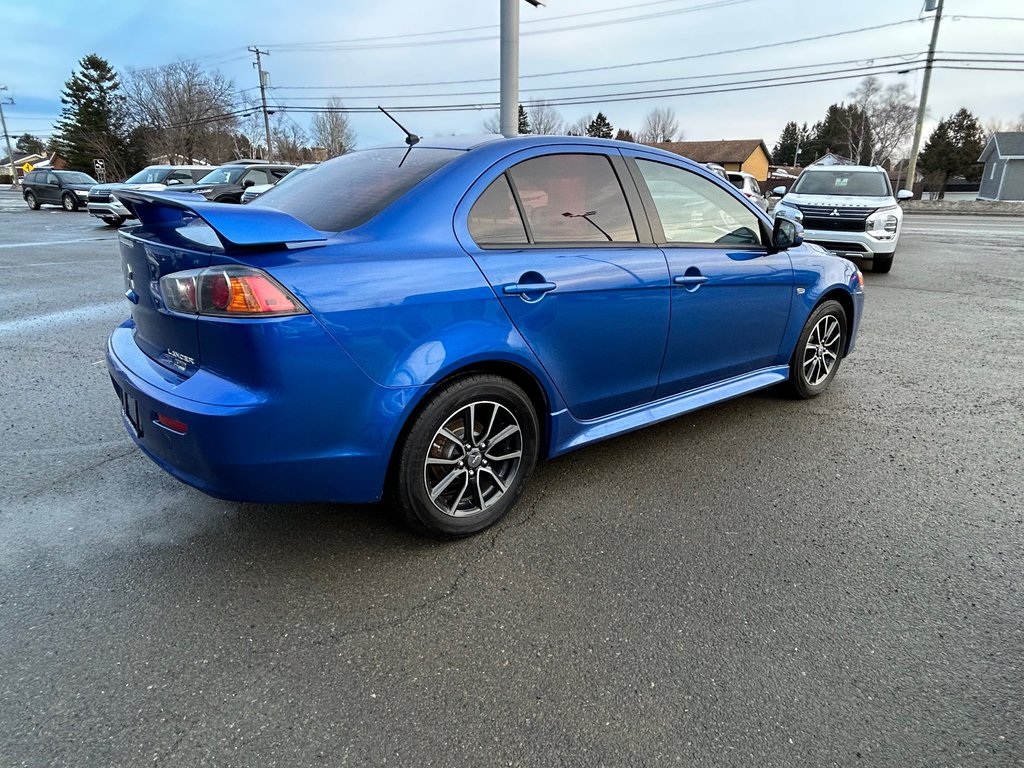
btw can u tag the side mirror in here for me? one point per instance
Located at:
(904, 194)
(248, 183)
(172, 182)
(779, 191)
(786, 233)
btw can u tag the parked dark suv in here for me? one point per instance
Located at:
(226, 183)
(69, 189)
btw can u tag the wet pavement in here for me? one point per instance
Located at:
(767, 582)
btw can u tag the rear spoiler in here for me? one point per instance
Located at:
(235, 225)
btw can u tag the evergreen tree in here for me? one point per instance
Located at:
(953, 150)
(624, 135)
(92, 121)
(600, 128)
(785, 149)
(29, 144)
(524, 121)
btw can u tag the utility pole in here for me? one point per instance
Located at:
(263, 95)
(7, 138)
(509, 113)
(922, 107)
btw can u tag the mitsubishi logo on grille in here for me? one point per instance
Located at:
(835, 212)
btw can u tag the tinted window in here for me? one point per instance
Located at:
(693, 209)
(349, 190)
(839, 182)
(495, 217)
(573, 198)
(76, 177)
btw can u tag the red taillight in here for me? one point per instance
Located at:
(172, 424)
(232, 291)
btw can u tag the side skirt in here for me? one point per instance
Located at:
(568, 433)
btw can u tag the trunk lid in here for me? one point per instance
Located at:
(179, 232)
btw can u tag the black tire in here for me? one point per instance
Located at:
(68, 202)
(472, 487)
(819, 351)
(33, 203)
(114, 222)
(881, 264)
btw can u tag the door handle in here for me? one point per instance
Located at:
(690, 279)
(521, 289)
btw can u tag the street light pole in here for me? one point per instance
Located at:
(7, 138)
(922, 107)
(509, 112)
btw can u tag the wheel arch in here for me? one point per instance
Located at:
(517, 374)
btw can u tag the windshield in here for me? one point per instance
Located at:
(838, 182)
(227, 175)
(74, 177)
(148, 176)
(350, 190)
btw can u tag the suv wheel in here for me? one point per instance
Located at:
(30, 198)
(69, 202)
(881, 264)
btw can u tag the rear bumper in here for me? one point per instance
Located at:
(315, 437)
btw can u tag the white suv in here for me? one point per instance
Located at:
(847, 209)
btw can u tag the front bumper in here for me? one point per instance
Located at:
(324, 434)
(851, 245)
(109, 210)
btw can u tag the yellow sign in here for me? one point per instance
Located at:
(27, 167)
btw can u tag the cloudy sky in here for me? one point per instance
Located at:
(625, 58)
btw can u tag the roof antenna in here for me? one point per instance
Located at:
(410, 138)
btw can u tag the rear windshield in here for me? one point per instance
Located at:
(350, 190)
(837, 182)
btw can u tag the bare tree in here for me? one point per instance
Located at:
(660, 125)
(889, 113)
(185, 112)
(580, 126)
(291, 142)
(544, 119)
(332, 130)
(493, 123)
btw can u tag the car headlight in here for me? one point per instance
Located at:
(82, 192)
(883, 223)
(793, 214)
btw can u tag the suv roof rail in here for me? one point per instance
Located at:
(245, 161)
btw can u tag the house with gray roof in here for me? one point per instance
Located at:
(1004, 167)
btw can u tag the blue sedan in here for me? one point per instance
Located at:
(426, 323)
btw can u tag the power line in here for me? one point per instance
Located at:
(389, 41)
(905, 59)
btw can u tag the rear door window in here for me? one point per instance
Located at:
(494, 218)
(573, 198)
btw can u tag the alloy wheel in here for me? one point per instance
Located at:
(473, 458)
(822, 350)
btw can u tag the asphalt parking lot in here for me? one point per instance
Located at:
(836, 582)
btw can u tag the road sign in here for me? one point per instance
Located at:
(27, 167)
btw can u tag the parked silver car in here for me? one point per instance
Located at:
(748, 185)
(103, 205)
